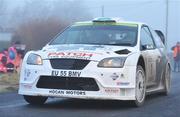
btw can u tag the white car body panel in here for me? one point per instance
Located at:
(125, 84)
(113, 83)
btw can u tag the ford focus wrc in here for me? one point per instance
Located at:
(106, 59)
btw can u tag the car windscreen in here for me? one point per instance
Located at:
(98, 35)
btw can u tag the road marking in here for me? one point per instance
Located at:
(13, 105)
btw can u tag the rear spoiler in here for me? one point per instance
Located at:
(161, 35)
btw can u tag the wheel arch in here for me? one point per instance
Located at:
(141, 62)
(168, 64)
(170, 67)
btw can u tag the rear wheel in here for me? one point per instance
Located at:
(35, 100)
(167, 81)
(140, 91)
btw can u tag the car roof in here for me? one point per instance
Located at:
(111, 21)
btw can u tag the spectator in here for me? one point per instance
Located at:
(12, 54)
(3, 61)
(11, 58)
(176, 56)
(5, 52)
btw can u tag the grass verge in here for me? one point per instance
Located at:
(9, 82)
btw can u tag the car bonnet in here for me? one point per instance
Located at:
(88, 52)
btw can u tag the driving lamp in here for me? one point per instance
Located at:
(34, 59)
(113, 62)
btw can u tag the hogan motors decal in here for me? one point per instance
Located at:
(66, 73)
(62, 92)
(73, 55)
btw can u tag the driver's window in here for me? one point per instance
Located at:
(146, 38)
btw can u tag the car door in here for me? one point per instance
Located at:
(161, 62)
(151, 56)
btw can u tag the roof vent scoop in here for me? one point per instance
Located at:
(124, 51)
(107, 19)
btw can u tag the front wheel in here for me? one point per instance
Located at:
(35, 100)
(140, 91)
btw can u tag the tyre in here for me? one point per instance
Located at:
(167, 81)
(140, 91)
(35, 100)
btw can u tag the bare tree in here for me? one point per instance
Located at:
(41, 21)
(36, 33)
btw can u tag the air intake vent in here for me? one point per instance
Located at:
(69, 64)
(67, 83)
(125, 51)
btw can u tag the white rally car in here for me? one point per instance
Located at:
(106, 59)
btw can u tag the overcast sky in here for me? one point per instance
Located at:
(152, 12)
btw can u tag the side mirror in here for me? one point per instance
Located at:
(161, 35)
(147, 47)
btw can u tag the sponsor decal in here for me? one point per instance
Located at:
(27, 86)
(79, 47)
(66, 73)
(112, 90)
(62, 92)
(114, 76)
(123, 83)
(73, 55)
(27, 74)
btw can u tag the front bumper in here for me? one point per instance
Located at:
(113, 83)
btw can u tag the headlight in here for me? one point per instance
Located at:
(114, 62)
(34, 59)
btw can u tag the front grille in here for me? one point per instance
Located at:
(67, 83)
(69, 64)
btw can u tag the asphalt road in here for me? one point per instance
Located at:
(13, 105)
